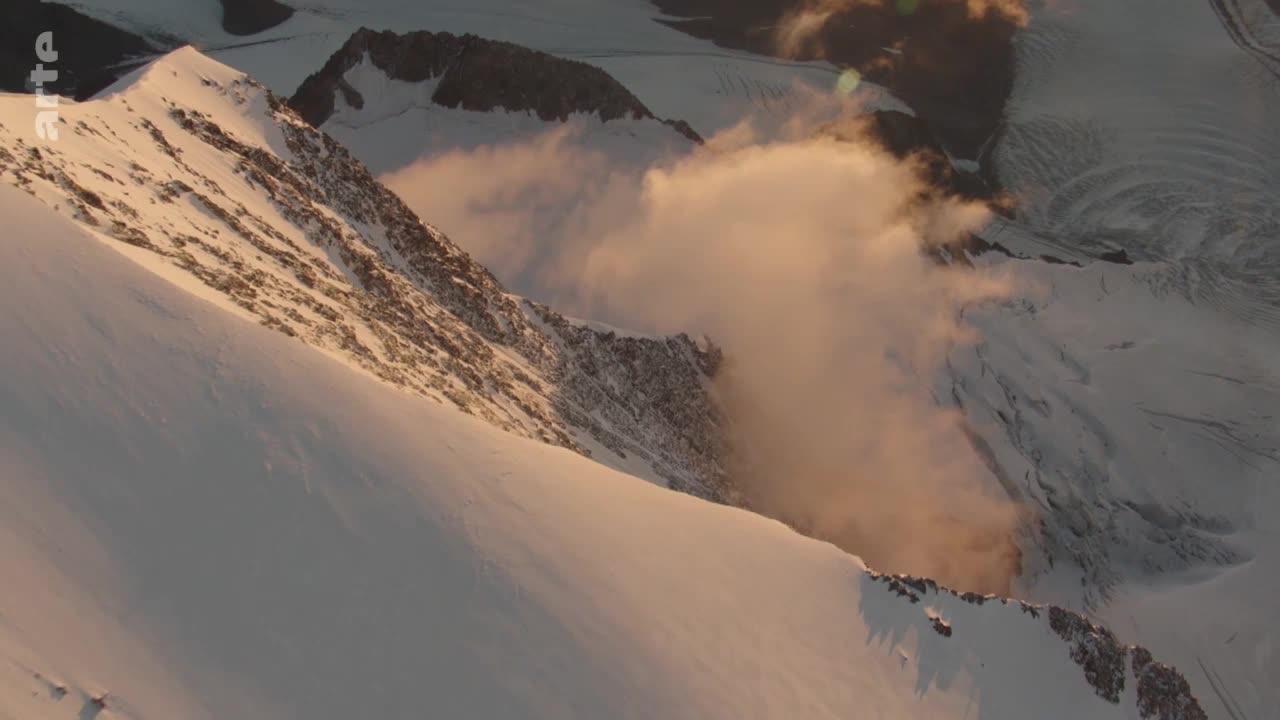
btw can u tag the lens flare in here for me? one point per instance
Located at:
(848, 81)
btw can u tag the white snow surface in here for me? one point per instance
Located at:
(1141, 425)
(203, 519)
(1141, 400)
(1138, 404)
(1150, 125)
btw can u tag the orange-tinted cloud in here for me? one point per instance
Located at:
(801, 255)
(797, 34)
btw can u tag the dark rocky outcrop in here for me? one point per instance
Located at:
(249, 17)
(1095, 650)
(477, 74)
(91, 53)
(940, 626)
(1163, 693)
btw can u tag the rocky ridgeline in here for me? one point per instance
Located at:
(475, 74)
(1162, 692)
(306, 241)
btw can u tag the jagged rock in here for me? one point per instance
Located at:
(922, 585)
(1094, 649)
(1163, 693)
(900, 589)
(395, 296)
(897, 586)
(475, 74)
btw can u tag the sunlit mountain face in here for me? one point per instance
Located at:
(617, 358)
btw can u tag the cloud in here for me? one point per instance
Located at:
(798, 33)
(800, 253)
(1014, 10)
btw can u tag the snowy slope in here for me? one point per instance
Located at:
(202, 176)
(202, 518)
(1141, 425)
(1117, 389)
(1150, 125)
(1136, 406)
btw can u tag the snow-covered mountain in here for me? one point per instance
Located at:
(395, 98)
(676, 76)
(214, 183)
(1132, 407)
(212, 509)
(1136, 404)
(1142, 426)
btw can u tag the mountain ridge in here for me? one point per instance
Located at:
(321, 251)
(89, 206)
(475, 74)
(414, 551)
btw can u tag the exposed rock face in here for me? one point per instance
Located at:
(88, 49)
(1162, 692)
(309, 243)
(940, 626)
(474, 74)
(1094, 649)
(248, 17)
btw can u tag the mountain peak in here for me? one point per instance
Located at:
(206, 177)
(182, 72)
(477, 74)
